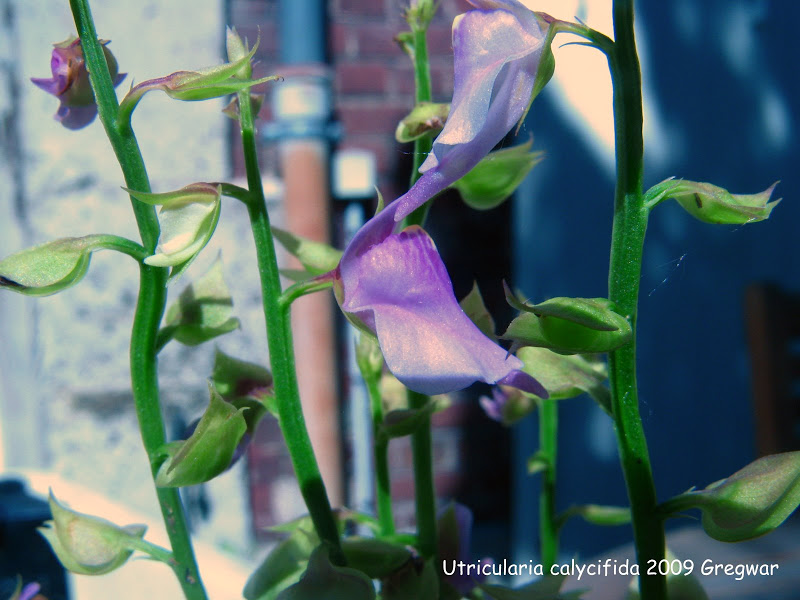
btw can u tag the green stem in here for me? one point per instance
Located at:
(150, 303)
(383, 488)
(548, 519)
(630, 223)
(281, 352)
(424, 488)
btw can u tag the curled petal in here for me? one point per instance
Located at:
(400, 289)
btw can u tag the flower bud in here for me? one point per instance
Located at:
(188, 218)
(426, 118)
(713, 204)
(237, 50)
(212, 82)
(70, 82)
(49, 268)
(497, 176)
(569, 325)
(88, 545)
(209, 450)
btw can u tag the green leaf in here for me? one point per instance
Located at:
(567, 376)
(473, 306)
(209, 450)
(316, 257)
(204, 309)
(750, 503)
(324, 581)
(374, 557)
(497, 176)
(49, 268)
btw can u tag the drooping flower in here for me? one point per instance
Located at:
(70, 82)
(394, 283)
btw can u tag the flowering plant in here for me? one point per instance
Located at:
(391, 283)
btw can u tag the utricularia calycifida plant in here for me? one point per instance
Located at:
(391, 283)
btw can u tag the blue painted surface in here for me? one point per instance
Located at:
(724, 77)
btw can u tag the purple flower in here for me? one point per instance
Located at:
(29, 592)
(455, 536)
(394, 283)
(70, 83)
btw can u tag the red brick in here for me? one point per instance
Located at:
(370, 117)
(361, 78)
(371, 8)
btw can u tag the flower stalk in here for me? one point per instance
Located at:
(279, 341)
(150, 303)
(548, 450)
(627, 242)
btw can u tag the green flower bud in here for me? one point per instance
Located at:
(209, 450)
(712, 204)
(569, 325)
(426, 118)
(751, 502)
(89, 545)
(245, 385)
(49, 268)
(237, 50)
(203, 311)
(188, 218)
(212, 82)
(497, 176)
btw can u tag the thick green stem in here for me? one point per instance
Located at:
(548, 449)
(424, 488)
(630, 223)
(281, 352)
(150, 303)
(383, 488)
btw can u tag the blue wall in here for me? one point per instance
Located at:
(724, 77)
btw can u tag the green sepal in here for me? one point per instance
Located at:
(324, 581)
(404, 421)
(547, 62)
(203, 310)
(538, 462)
(51, 267)
(546, 588)
(188, 218)
(750, 503)
(369, 357)
(209, 450)
(245, 385)
(318, 258)
(283, 566)
(374, 557)
(568, 325)
(567, 376)
(495, 178)
(416, 579)
(712, 204)
(88, 545)
(238, 53)
(476, 310)
(426, 118)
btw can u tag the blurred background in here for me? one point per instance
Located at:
(721, 100)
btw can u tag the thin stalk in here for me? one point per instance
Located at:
(383, 487)
(150, 303)
(627, 242)
(281, 351)
(548, 447)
